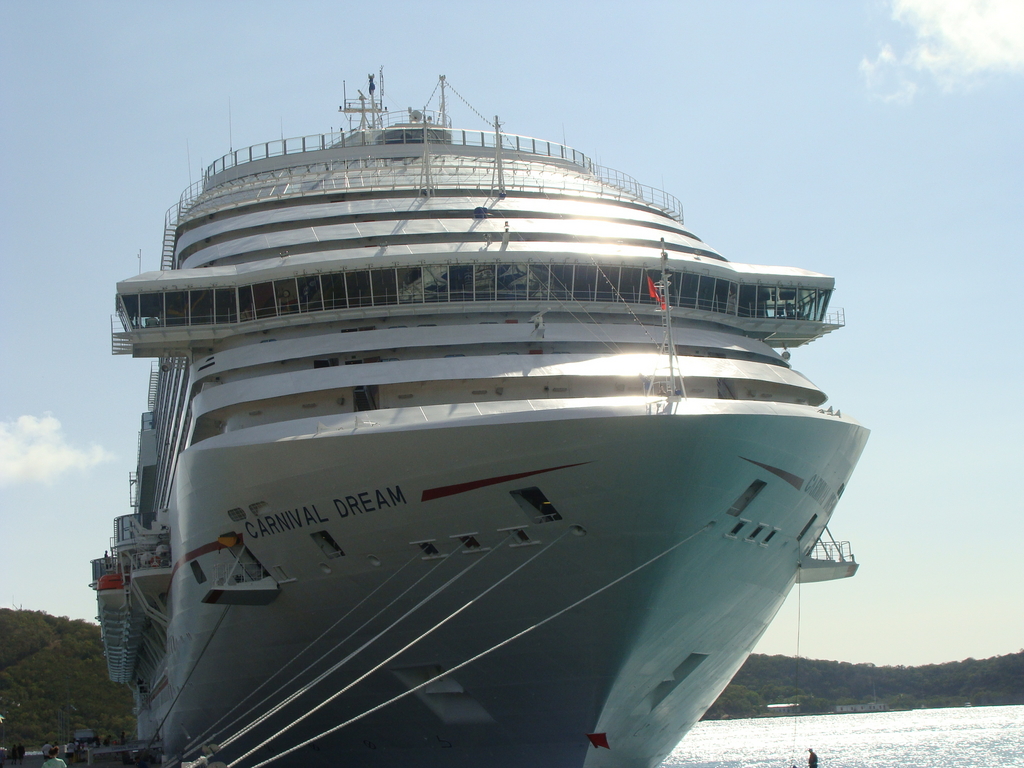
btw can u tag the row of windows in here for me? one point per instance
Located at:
(563, 283)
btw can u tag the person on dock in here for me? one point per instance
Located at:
(812, 759)
(52, 760)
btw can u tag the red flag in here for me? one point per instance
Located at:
(599, 739)
(652, 289)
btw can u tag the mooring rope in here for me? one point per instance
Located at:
(796, 674)
(409, 645)
(457, 667)
(308, 686)
(195, 743)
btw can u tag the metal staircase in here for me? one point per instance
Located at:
(167, 254)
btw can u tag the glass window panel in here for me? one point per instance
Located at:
(334, 293)
(806, 303)
(511, 282)
(721, 295)
(748, 301)
(608, 284)
(410, 285)
(310, 298)
(561, 281)
(706, 293)
(483, 279)
(385, 289)
(460, 283)
(766, 301)
(151, 309)
(435, 283)
(631, 282)
(263, 300)
(584, 284)
(537, 286)
(245, 306)
(358, 286)
(130, 307)
(733, 297)
(175, 305)
(224, 305)
(201, 307)
(785, 302)
(287, 296)
(823, 299)
(688, 290)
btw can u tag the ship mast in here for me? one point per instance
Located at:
(427, 179)
(498, 179)
(374, 111)
(675, 384)
(444, 112)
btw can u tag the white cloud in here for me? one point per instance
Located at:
(887, 78)
(956, 42)
(34, 450)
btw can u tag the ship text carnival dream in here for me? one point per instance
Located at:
(461, 450)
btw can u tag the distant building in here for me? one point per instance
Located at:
(783, 709)
(874, 706)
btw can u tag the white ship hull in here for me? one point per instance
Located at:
(477, 430)
(636, 483)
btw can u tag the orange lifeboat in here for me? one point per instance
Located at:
(110, 581)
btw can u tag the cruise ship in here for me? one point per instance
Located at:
(460, 450)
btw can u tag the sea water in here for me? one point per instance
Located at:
(962, 737)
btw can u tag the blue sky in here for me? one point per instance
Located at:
(879, 142)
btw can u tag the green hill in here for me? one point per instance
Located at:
(45, 663)
(767, 680)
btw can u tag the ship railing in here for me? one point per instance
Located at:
(524, 145)
(657, 197)
(119, 345)
(129, 528)
(124, 532)
(389, 176)
(238, 572)
(372, 137)
(133, 489)
(833, 551)
(150, 558)
(101, 566)
(413, 119)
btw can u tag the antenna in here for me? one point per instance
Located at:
(231, 143)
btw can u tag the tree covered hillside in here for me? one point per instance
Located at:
(767, 680)
(47, 661)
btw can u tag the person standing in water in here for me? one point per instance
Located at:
(812, 759)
